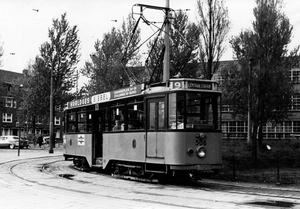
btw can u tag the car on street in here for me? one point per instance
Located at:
(13, 141)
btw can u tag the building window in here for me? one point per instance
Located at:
(241, 129)
(57, 121)
(288, 127)
(225, 108)
(232, 128)
(38, 121)
(7, 117)
(218, 78)
(9, 101)
(270, 131)
(295, 75)
(296, 127)
(295, 102)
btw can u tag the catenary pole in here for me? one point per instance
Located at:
(166, 69)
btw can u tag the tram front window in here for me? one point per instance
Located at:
(193, 111)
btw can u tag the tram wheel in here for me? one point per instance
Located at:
(195, 176)
(81, 163)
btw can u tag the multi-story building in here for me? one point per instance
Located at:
(10, 122)
(237, 129)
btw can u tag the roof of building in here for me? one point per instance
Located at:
(8, 76)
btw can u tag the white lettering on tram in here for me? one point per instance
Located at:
(125, 92)
(101, 98)
(194, 85)
(80, 102)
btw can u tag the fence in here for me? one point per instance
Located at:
(279, 165)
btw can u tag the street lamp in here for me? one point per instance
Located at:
(51, 127)
(18, 124)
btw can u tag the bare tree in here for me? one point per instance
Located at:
(213, 26)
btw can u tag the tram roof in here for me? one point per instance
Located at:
(174, 84)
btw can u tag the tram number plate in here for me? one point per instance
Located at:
(201, 142)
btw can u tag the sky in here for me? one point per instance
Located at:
(24, 24)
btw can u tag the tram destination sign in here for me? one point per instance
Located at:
(191, 84)
(199, 85)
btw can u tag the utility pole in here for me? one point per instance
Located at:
(166, 70)
(166, 64)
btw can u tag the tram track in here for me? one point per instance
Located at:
(53, 173)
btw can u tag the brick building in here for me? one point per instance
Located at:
(9, 119)
(237, 129)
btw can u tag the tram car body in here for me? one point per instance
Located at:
(143, 131)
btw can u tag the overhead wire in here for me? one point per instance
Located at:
(159, 31)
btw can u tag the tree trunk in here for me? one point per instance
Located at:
(260, 134)
(33, 124)
(254, 142)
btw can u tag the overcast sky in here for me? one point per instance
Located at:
(23, 29)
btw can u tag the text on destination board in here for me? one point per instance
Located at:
(194, 85)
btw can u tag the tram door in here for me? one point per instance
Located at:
(155, 128)
(97, 134)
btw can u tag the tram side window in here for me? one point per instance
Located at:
(117, 119)
(135, 116)
(89, 123)
(106, 119)
(71, 122)
(82, 122)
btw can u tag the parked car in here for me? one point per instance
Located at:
(13, 141)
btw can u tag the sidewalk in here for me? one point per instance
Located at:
(10, 155)
(261, 186)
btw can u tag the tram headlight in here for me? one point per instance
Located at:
(201, 152)
(200, 136)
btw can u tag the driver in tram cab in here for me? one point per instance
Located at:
(117, 127)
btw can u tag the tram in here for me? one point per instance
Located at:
(163, 130)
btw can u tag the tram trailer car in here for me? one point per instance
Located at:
(167, 130)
